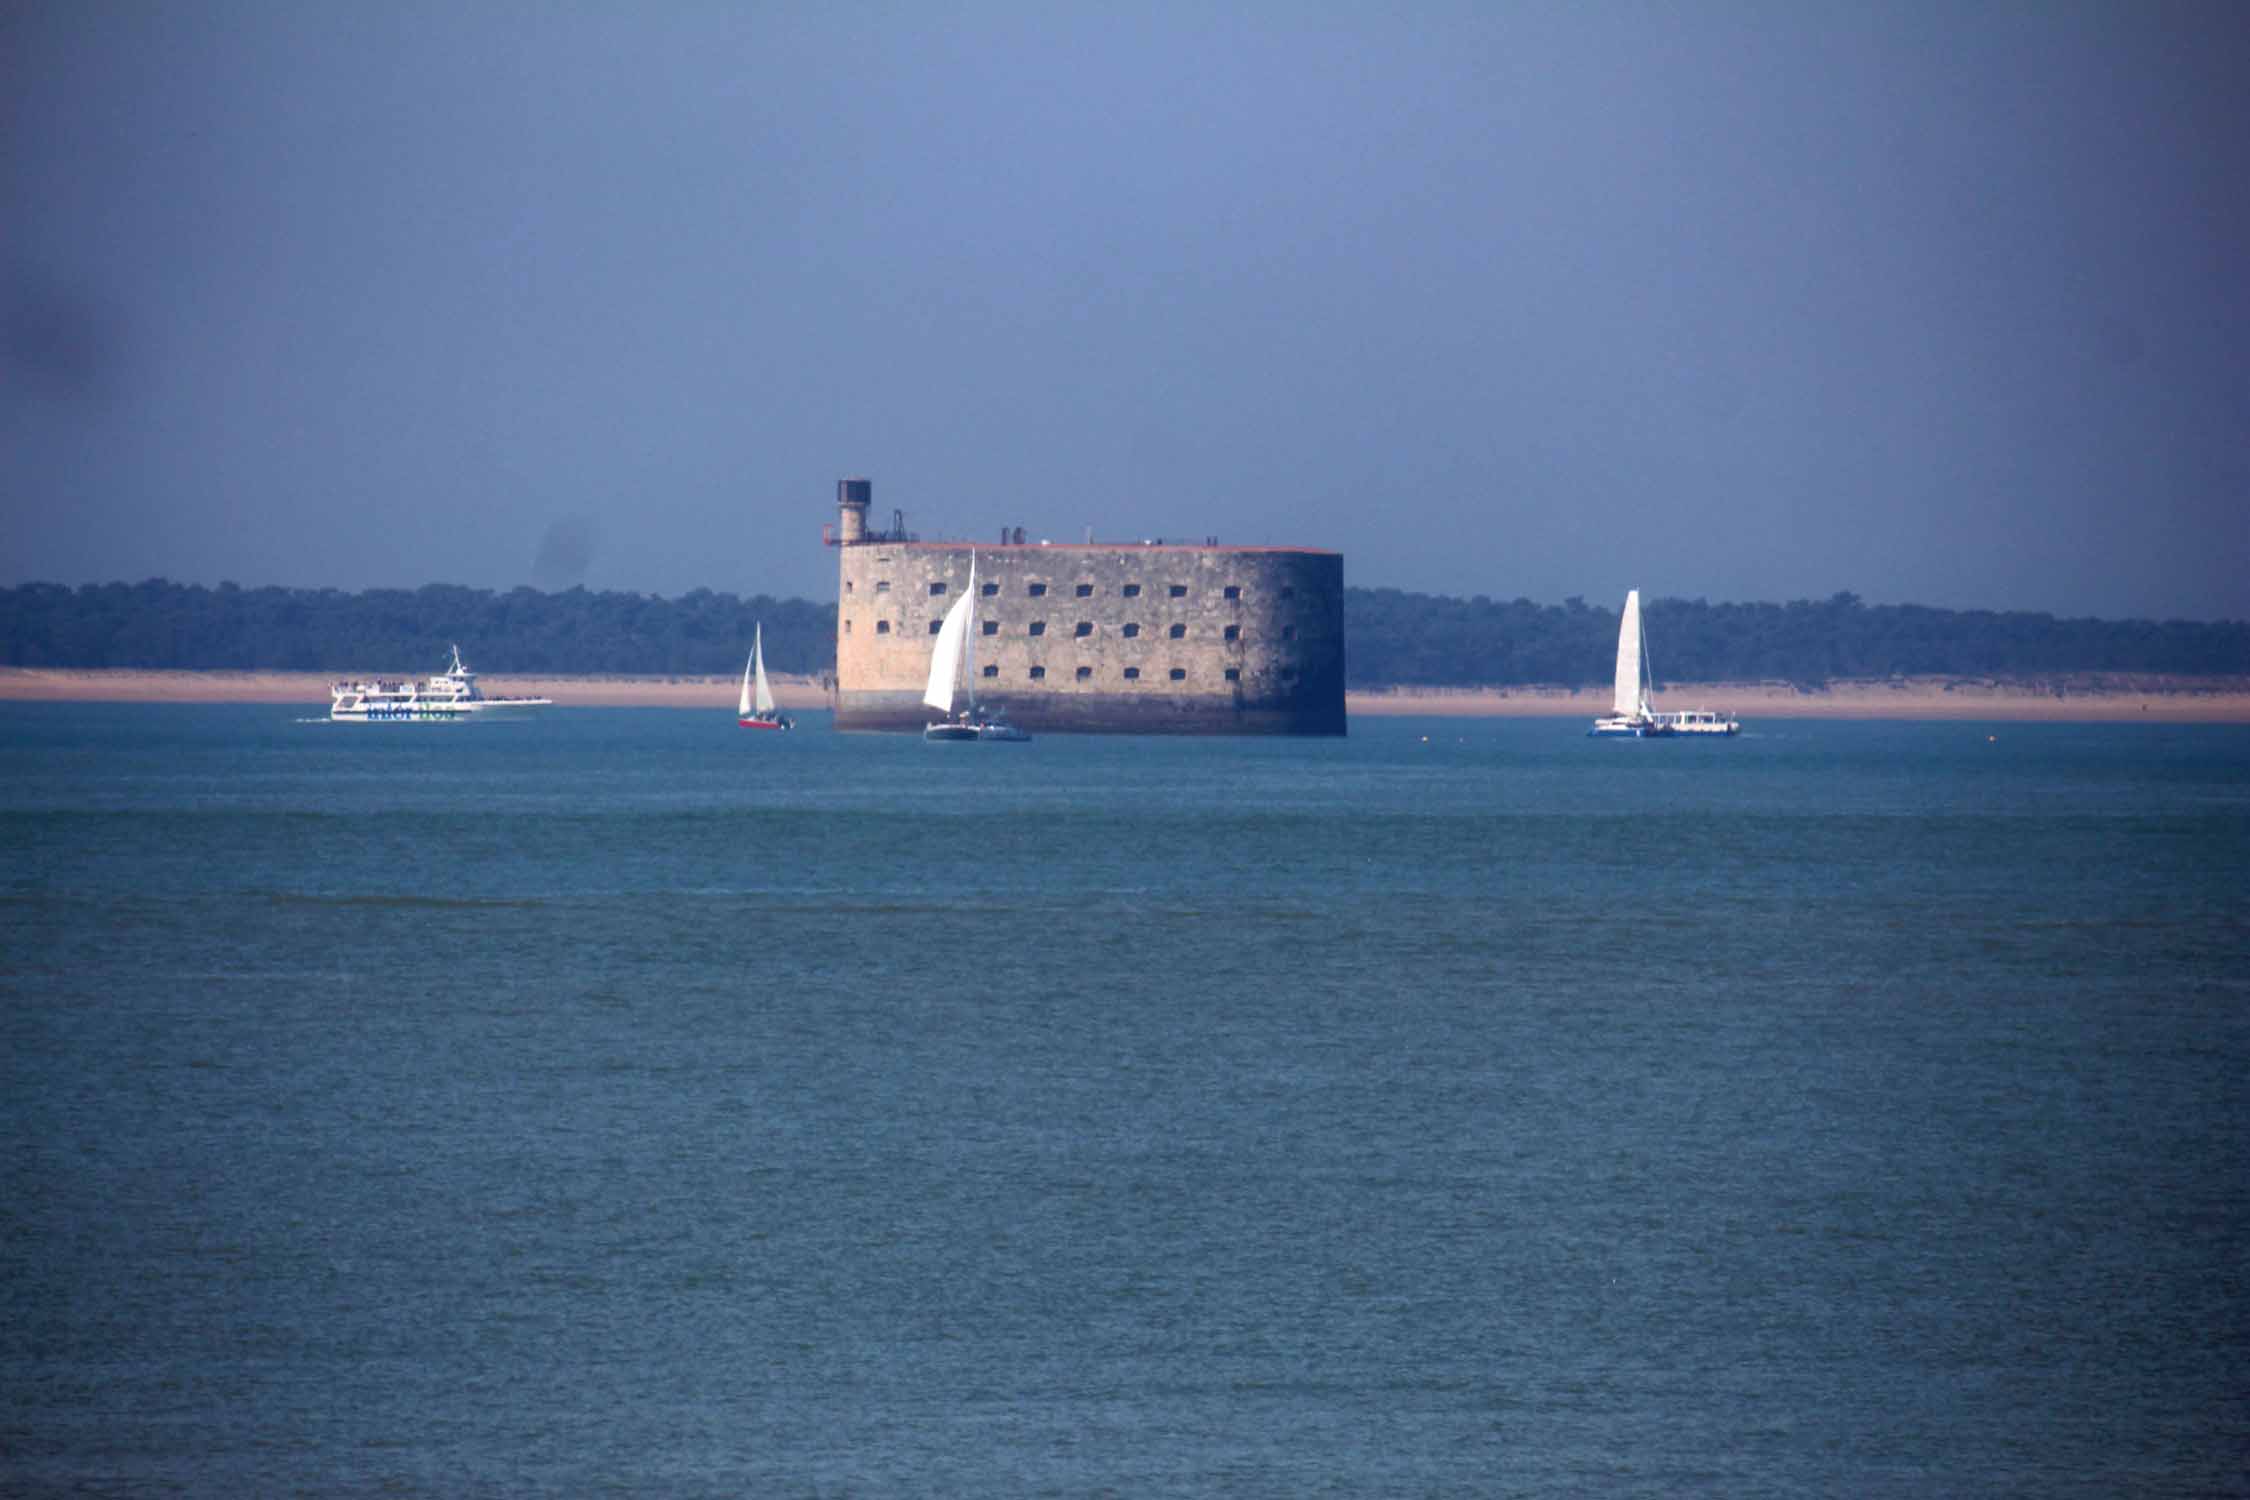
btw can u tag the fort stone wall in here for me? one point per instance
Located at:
(1102, 638)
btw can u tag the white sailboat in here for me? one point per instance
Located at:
(757, 710)
(1632, 714)
(953, 674)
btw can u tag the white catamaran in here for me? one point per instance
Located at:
(450, 695)
(1632, 715)
(756, 711)
(953, 663)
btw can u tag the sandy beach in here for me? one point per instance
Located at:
(311, 688)
(2080, 699)
(2077, 699)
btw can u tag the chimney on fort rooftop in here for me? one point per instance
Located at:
(852, 499)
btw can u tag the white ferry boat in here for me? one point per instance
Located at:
(451, 694)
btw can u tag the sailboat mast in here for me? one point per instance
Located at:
(969, 636)
(1648, 672)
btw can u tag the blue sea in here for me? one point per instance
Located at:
(620, 1103)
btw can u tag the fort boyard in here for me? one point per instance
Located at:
(1149, 637)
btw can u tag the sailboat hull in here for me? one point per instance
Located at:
(1628, 729)
(765, 723)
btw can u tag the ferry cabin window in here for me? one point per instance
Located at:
(1234, 591)
(1179, 674)
(1084, 673)
(882, 627)
(1177, 632)
(1085, 591)
(1085, 628)
(1131, 631)
(1179, 591)
(1038, 591)
(936, 626)
(1234, 674)
(1038, 627)
(1038, 674)
(937, 590)
(1131, 591)
(1234, 632)
(1132, 674)
(992, 627)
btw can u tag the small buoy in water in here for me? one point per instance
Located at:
(1992, 739)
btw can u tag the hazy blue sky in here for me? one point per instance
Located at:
(1945, 303)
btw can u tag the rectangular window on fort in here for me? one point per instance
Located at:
(1234, 591)
(1179, 591)
(847, 627)
(992, 627)
(1085, 591)
(847, 585)
(1132, 674)
(1179, 674)
(1084, 673)
(1038, 591)
(991, 671)
(882, 627)
(1130, 631)
(1234, 674)
(882, 585)
(1234, 632)
(1038, 627)
(1177, 632)
(937, 590)
(1085, 628)
(1131, 591)
(989, 590)
(1038, 674)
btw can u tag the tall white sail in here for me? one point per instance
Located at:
(1629, 700)
(945, 660)
(764, 699)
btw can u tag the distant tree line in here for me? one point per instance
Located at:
(1392, 637)
(520, 631)
(1426, 640)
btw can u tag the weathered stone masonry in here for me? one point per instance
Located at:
(1103, 638)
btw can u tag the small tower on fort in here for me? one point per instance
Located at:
(852, 499)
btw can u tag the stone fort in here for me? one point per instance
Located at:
(1149, 637)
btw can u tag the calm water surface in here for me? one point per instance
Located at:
(619, 1102)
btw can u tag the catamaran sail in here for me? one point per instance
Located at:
(953, 669)
(1632, 694)
(955, 653)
